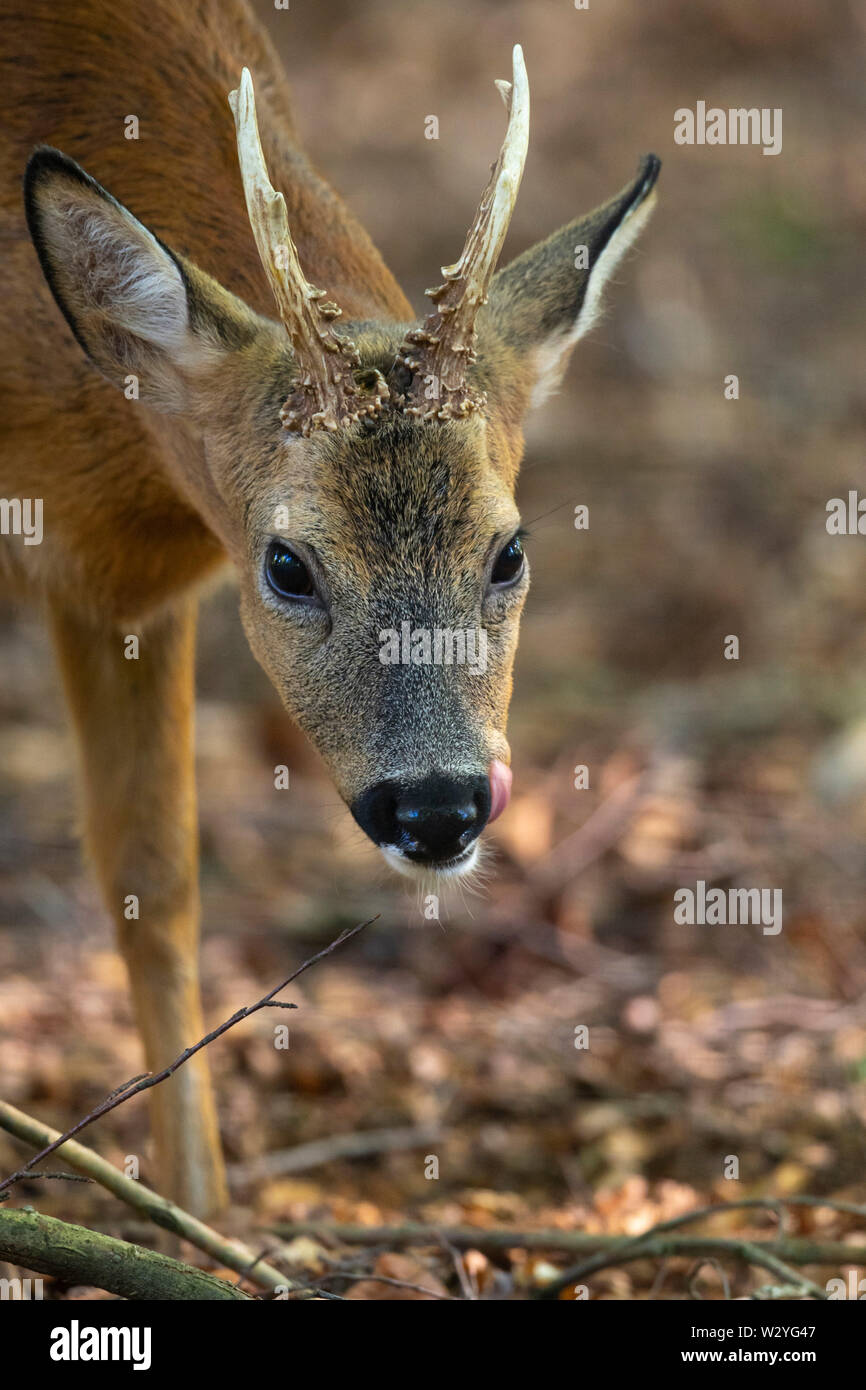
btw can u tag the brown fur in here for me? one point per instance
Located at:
(397, 519)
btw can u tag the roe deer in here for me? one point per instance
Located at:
(357, 471)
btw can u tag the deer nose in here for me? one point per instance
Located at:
(431, 821)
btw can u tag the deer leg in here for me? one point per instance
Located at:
(134, 721)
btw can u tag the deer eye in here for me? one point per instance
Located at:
(509, 562)
(287, 575)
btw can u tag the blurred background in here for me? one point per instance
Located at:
(707, 519)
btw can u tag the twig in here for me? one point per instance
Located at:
(603, 1250)
(58, 1177)
(756, 1254)
(319, 1151)
(144, 1083)
(770, 1292)
(312, 1290)
(695, 1271)
(68, 1252)
(759, 1253)
(797, 1249)
(469, 1286)
(688, 1218)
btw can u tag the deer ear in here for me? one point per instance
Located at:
(135, 307)
(543, 302)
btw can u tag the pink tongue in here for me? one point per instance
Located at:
(500, 788)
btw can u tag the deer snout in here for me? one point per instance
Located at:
(432, 822)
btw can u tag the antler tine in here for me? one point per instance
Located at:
(325, 395)
(439, 353)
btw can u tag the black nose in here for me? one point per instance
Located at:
(432, 821)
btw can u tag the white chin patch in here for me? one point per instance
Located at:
(455, 868)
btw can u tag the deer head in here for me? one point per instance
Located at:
(360, 476)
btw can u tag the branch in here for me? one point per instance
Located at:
(73, 1253)
(763, 1254)
(231, 1253)
(745, 1249)
(601, 1251)
(144, 1083)
(360, 1144)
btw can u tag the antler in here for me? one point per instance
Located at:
(325, 395)
(439, 354)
